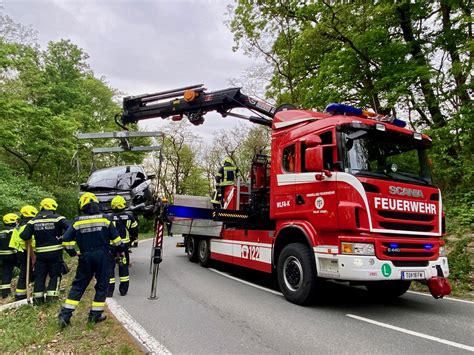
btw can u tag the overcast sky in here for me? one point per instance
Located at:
(144, 46)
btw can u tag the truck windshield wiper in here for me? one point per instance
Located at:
(410, 176)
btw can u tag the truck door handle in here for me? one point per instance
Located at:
(299, 199)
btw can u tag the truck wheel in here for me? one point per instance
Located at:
(388, 289)
(192, 249)
(296, 272)
(204, 252)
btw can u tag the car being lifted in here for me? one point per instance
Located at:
(129, 181)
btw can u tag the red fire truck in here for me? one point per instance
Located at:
(346, 195)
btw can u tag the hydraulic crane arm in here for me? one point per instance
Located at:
(194, 102)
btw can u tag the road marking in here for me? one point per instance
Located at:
(411, 332)
(152, 345)
(444, 298)
(246, 282)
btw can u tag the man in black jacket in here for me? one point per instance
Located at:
(47, 228)
(7, 254)
(92, 231)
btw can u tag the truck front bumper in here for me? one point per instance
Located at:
(369, 268)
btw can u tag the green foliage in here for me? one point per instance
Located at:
(460, 264)
(17, 191)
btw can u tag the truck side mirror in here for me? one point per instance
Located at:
(314, 159)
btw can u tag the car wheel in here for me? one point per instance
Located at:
(204, 252)
(192, 248)
(296, 273)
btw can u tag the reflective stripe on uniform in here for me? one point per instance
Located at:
(134, 224)
(4, 286)
(20, 292)
(112, 280)
(117, 241)
(7, 252)
(93, 222)
(125, 279)
(52, 293)
(98, 306)
(70, 304)
(69, 245)
(38, 294)
(46, 220)
(49, 248)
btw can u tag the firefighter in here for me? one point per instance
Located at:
(7, 254)
(225, 176)
(92, 231)
(47, 228)
(27, 213)
(127, 226)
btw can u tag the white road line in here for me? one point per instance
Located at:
(444, 298)
(411, 332)
(152, 345)
(246, 282)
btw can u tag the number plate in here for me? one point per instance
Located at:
(413, 275)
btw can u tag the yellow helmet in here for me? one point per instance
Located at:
(28, 211)
(118, 203)
(10, 218)
(87, 198)
(48, 204)
(164, 199)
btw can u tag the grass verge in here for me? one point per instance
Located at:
(35, 329)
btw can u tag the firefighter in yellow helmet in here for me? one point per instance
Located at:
(127, 226)
(27, 212)
(225, 176)
(7, 254)
(47, 228)
(92, 231)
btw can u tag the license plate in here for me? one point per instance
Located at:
(413, 275)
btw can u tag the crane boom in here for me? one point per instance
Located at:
(194, 102)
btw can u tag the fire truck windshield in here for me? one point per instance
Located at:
(387, 156)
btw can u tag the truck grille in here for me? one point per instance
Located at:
(412, 222)
(406, 216)
(407, 227)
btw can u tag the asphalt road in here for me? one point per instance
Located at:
(203, 310)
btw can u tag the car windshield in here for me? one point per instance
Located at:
(387, 156)
(120, 177)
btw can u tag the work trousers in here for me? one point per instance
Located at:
(47, 264)
(123, 271)
(91, 264)
(7, 264)
(21, 286)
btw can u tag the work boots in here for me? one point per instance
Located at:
(96, 317)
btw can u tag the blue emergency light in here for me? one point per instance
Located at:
(189, 212)
(341, 109)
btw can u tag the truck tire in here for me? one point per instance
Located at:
(296, 273)
(388, 289)
(204, 252)
(192, 248)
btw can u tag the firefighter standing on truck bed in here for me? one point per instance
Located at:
(27, 212)
(7, 254)
(47, 228)
(127, 226)
(92, 231)
(225, 176)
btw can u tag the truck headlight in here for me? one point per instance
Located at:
(442, 250)
(357, 248)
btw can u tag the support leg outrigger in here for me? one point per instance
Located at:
(156, 257)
